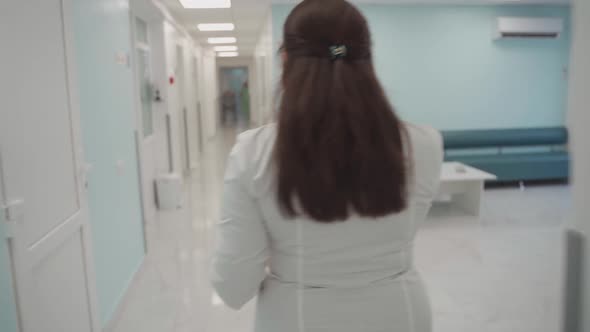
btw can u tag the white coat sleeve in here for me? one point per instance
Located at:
(242, 252)
(428, 163)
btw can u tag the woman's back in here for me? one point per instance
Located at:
(317, 269)
(320, 210)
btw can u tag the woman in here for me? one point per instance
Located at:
(320, 210)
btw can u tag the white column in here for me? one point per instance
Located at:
(580, 131)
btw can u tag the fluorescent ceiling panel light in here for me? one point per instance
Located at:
(216, 27)
(205, 4)
(228, 54)
(227, 48)
(222, 40)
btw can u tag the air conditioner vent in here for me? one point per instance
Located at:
(526, 27)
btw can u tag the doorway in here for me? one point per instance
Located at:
(235, 96)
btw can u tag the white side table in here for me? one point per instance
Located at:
(465, 185)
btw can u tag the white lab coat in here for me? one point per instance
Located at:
(353, 276)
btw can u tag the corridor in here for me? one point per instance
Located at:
(499, 274)
(172, 291)
(118, 116)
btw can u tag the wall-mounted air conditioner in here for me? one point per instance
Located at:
(529, 27)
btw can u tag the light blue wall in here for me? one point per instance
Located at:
(7, 305)
(440, 66)
(107, 112)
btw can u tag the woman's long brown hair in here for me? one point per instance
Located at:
(340, 145)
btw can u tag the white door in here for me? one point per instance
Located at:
(42, 171)
(145, 101)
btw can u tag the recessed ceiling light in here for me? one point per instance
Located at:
(216, 27)
(228, 54)
(205, 4)
(227, 48)
(222, 40)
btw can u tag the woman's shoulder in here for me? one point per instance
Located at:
(252, 140)
(424, 136)
(253, 151)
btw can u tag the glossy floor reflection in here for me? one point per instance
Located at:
(499, 274)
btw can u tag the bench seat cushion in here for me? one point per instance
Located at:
(520, 167)
(464, 139)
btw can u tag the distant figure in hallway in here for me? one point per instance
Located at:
(228, 107)
(320, 210)
(245, 100)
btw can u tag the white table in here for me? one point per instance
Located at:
(465, 185)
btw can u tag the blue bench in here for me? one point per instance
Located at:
(512, 154)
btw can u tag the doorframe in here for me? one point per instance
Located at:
(76, 121)
(138, 132)
(150, 15)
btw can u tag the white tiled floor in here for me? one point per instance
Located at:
(499, 274)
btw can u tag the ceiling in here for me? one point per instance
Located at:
(447, 2)
(249, 16)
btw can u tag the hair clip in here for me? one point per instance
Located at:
(338, 51)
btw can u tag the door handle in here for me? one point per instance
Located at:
(83, 172)
(8, 211)
(12, 212)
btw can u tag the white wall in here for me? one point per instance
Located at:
(152, 154)
(160, 77)
(195, 91)
(207, 93)
(263, 89)
(193, 96)
(171, 39)
(177, 91)
(580, 120)
(210, 94)
(192, 93)
(235, 62)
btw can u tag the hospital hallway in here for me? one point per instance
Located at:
(502, 273)
(118, 117)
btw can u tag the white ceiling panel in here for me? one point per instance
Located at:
(247, 15)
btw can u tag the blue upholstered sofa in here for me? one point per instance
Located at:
(512, 154)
